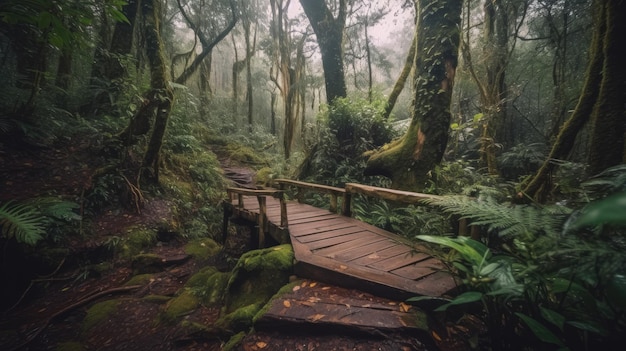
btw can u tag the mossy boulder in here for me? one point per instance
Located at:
(98, 313)
(199, 279)
(137, 239)
(156, 299)
(179, 306)
(234, 341)
(209, 285)
(147, 263)
(241, 319)
(139, 279)
(258, 275)
(202, 249)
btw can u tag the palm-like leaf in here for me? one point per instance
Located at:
(22, 222)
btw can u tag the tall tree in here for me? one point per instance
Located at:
(329, 30)
(601, 102)
(408, 160)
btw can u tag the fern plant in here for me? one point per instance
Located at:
(22, 222)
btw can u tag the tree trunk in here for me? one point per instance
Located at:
(601, 101)
(329, 32)
(160, 86)
(408, 160)
(122, 42)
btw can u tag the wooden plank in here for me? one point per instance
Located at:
(383, 254)
(419, 269)
(335, 250)
(322, 243)
(319, 218)
(399, 260)
(329, 234)
(305, 229)
(365, 250)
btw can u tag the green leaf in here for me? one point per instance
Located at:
(541, 332)
(23, 222)
(478, 117)
(609, 210)
(553, 317)
(466, 297)
(616, 290)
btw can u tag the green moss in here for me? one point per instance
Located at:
(69, 346)
(199, 279)
(137, 239)
(234, 341)
(265, 176)
(147, 263)
(139, 279)
(244, 154)
(212, 292)
(285, 289)
(99, 312)
(179, 306)
(240, 319)
(158, 299)
(202, 249)
(258, 275)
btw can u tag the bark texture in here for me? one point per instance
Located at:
(408, 160)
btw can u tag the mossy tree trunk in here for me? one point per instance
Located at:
(329, 32)
(408, 160)
(601, 101)
(161, 92)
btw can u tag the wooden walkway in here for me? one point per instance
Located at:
(343, 251)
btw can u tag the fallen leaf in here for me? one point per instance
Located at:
(303, 284)
(326, 288)
(343, 267)
(312, 285)
(295, 288)
(286, 303)
(314, 299)
(404, 307)
(317, 317)
(435, 335)
(373, 256)
(261, 344)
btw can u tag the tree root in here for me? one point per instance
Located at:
(80, 303)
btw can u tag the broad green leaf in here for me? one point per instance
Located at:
(588, 326)
(553, 317)
(466, 297)
(478, 117)
(610, 210)
(541, 332)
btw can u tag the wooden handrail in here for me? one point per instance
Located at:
(261, 195)
(332, 191)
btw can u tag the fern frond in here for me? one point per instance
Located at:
(506, 220)
(56, 208)
(21, 221)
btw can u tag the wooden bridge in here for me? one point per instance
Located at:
(331, 246)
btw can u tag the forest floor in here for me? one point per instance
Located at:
(51, 313)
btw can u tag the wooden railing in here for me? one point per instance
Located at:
(261, 196)
(334, 193)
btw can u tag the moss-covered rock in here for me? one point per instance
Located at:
(99, 312)
(137, 239)
(157, 299)
(69, 346)
(199, 279)
(202, 249)
(258, 275)
(147, 263)
(234, 341)
(179, 306)
(139, 279)
(285, 289)
(239, 320)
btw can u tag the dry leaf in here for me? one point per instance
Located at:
(314, 299)
(343, 267)
(373, 256)
(435, 335)
(261, 344)
(286, 303)
(404, 307)
(303, 284)
(326, 288)
(312, 285)
(295, 288)
(317, 317)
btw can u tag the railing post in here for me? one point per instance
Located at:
(262, 221)
(240, 200)
(333, 203)
(283, 211)
(346, 209)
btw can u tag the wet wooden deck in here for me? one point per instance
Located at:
(346, 252)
